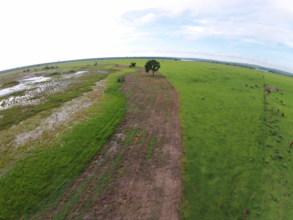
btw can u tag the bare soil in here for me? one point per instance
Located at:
(137, 174)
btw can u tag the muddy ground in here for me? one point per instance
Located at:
(46, 128)
(137, 174)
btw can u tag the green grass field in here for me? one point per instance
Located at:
(237, 162)
(235, 143)
(228, 167)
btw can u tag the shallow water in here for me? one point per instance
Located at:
(77, 74)
(80, 72)
(41, 91)
(35, 79)
(40, 88)
(24, 84)
(13, 89)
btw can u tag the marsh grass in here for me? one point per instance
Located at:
(9, 84)
(10, 147)
(33, 179)
(52, 74)
(18, 93)
(14, 115)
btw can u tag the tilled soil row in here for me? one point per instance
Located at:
(137, 174)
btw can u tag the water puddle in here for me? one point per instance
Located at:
(36, 88)
(24, 84)
(35, 80)
(80, 72)
(77, 74)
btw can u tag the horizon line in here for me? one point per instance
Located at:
(140, 57)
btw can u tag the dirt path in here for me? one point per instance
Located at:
(137, 174)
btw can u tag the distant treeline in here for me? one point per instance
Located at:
(245, 65)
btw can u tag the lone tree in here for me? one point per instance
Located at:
(152, 65)
(95, 64)
(133, 64)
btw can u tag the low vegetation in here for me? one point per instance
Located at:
(49, 67)
(236, 135)
(9, 84)
(237, 157)
(13, 116)
(34, 178)
(227, 168)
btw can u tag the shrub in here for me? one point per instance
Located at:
(121, 79)
(55, 73)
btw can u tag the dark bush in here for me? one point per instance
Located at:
(121, 79)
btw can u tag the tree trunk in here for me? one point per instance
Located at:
(153, 73)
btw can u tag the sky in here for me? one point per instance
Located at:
(247, 31)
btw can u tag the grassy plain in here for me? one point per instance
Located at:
(44, 173)
(237, 161)
(111, 186)
(230, 132)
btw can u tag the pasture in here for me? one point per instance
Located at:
(237, 161)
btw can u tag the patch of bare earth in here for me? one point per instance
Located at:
(136, 175)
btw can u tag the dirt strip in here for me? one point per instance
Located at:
(137, 174)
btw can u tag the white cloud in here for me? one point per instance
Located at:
(37, 31)
(229, 29)
(150, 17)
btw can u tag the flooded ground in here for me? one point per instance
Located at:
(36, 88)
(24, 84)
(66, 116)
(46, 128)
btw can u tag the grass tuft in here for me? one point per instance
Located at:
(9, 84)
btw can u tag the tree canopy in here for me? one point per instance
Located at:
(152, 65)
